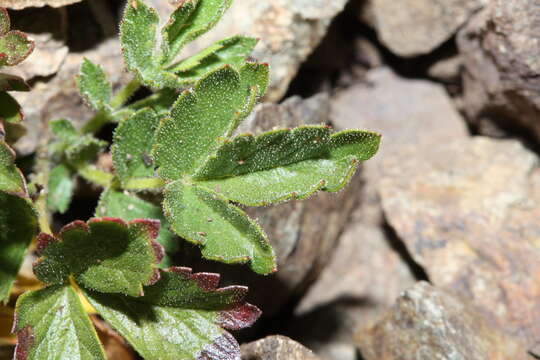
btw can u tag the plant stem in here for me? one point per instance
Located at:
(42, 169)
(102, 117)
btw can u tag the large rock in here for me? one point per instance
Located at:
(288, 30)
(501, 53)
(370, 268)
(427, 323)
(416, 27)
(468, 212)
(412, 115)
(276, 348)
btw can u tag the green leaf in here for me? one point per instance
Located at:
(255, 74)
(183, 316)
(133, 141)
(11, 178)
(5, 23)
(105, 254)
(60, 187)
(12, 83)
(18, 225)
(198, 120)
(247, 153)
(52, 324)
(129, 207)
(161, 102)
(138, 31)
(232, 51)
(286, 164)
(192, 19)
(94, 86)
(224, 232)
(77, 148)
(10, 110)
(14, 47)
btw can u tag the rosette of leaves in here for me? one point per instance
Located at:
(187, 151)
(171, 314)
(18, 219)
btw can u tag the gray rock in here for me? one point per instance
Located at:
(501, 53)
(447, 70)
(416, 27)
(468, 212)
(289, 30)
(276, 348)
(366, 273)
(427, 323)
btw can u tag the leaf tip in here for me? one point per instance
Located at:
(240, 317)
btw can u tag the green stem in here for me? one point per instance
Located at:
(95, 175)
(102, 117)
(123, 95)
(42, 169)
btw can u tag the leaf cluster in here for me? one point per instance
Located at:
(178, 173)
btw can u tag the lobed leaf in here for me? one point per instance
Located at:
(61, 185)
(51, 324)
(132, 145)
(138, 31)
(18, 225)
(10, 110)
(182, 316)
(94, 86)
(105, 254)
(11, 178)
(118, 204)
(77, 148)
(190, 20)
(198, 119)
(224, 231)
(285, 164)
(14, 45)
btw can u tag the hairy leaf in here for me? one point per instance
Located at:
(94, 86)
(129, 207)
(52, 324)
(77, 148)
(14, 48)
(11, 178)
(255, 74)
(18, 225)
(198, 120)
(286, 164)
(133, 145)
(183, 316)
(232, 51)
(10, 110)
(138, 32)
(192, 19)
(60, 187)
(224, 232)
(105, 254)
(14, 45)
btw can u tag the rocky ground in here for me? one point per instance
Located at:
(433, 252)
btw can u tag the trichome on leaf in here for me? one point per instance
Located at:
(176, 163)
